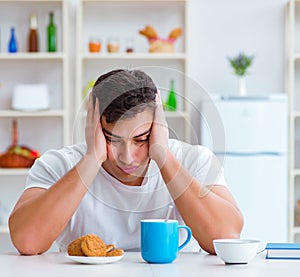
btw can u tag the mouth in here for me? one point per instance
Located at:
(129, 170)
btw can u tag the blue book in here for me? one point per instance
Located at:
(278, 250)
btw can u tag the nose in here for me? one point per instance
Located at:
(127, 154)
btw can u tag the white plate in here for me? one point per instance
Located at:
(95, 260)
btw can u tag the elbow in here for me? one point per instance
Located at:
(208, 245)
(227, 231)
(237, 227)
(26, 249)
(26, 242)
(26, 245)
(230, 229)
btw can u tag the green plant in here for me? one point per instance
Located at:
(241, 63)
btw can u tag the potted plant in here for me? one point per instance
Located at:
(240, 65)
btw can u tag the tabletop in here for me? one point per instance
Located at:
(132, 264)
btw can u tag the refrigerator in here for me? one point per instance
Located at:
(249, 135)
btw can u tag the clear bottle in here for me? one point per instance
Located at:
(33, 43)
(12, 44)
(51, 33)
(172, 102)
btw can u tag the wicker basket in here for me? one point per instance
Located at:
(14, 160)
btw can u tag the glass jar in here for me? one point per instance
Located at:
(129, 45)
(113, 45)
(95, 45)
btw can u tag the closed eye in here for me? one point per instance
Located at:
(112, 140)
(142, 141)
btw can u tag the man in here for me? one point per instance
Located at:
(127, 170)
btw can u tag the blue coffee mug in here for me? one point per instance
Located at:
(160, 239)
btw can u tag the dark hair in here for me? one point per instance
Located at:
(124, 93)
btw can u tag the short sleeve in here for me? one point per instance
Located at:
(202, 163)
(51, 166)
(209, 168)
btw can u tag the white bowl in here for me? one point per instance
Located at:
(236, 251)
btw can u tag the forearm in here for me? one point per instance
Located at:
(208, 214)
(38, 220)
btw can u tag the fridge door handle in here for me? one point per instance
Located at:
(240, 154)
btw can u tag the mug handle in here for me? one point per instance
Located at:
(189, 236)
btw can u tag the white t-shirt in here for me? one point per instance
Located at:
(113, 210)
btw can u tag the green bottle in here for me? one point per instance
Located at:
(172, 103)
(51, 32)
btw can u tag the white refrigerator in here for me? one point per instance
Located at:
(254, 155)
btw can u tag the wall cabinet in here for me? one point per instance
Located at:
(293, 88)
(40, 130)
(121, 21)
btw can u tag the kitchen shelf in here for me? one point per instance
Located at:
(32, 56)
(296, 172)
(295, 114)
(132, 56)
(135, 1)
(49, 68)
(33, 1)
(295, 57)
(4, 229)
(90, 65)
(292, 84)
(50, 113)
(295, 230)
(14, 171)
(44, 129)
(168, 114)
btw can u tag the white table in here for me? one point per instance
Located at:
(187, 264)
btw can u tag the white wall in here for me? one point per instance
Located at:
(223, 28)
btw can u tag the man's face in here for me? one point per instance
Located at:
(128, 147)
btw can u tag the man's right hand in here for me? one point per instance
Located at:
(95, 140)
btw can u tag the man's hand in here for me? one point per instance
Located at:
(95, 140)
(158, 142)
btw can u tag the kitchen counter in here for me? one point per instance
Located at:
(187, 264)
